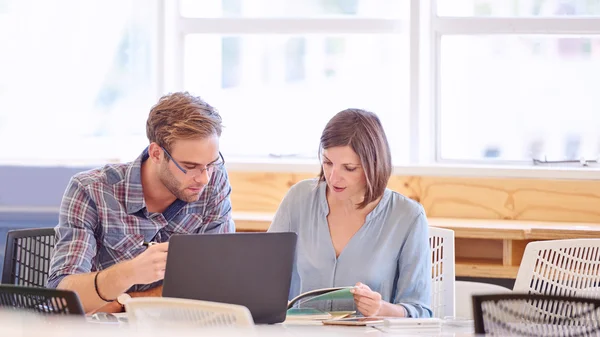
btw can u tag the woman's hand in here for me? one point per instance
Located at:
(367, 301)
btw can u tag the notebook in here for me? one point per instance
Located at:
(323, 294)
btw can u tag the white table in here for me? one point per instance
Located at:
(318, 329)
(28, 326)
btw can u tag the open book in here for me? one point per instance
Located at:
(309, 314)
(323, 294)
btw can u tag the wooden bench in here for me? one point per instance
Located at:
(484, 248)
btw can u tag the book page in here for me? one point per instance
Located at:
(317, 293)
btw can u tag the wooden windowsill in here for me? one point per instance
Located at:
(501, 242)
(466, 228)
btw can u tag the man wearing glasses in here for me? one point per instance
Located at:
(178, 185)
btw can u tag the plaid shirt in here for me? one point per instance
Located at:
(103, 219)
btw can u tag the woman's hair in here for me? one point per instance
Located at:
(363, 132)
(181, 115)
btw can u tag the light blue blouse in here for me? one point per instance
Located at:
(389, 253)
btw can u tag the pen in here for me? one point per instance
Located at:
(148, 244)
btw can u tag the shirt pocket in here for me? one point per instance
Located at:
(124, 246)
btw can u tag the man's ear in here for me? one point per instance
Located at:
(155, 152)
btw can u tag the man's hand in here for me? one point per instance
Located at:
(149, 266)
(110, 307)
(114, 306)
(146, 268)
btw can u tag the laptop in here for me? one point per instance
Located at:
(249, 269)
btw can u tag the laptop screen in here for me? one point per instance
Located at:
(249, 269)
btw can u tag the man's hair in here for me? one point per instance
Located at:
(363, 132)
(181, 115)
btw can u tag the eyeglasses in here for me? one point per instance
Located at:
(210, 168)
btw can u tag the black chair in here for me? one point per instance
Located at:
(536, 315)
(40, 300)
(27, 256)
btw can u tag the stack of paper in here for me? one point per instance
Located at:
(458, 322)
(412, 325)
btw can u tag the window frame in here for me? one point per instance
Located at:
(425, 33)
(286, 26)
(464, 25)
(426, 29)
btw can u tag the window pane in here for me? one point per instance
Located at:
(518, 7)
(77, 79)
(293, 8)
(514, 97)
(277, 92)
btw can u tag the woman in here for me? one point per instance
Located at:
(353, 231)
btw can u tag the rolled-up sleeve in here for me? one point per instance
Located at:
(217, 213)
(75, 244)
(413, 290)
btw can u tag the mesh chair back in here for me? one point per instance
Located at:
(441, 244)
(561, 268)
(164, 311)
(536, 315)
(27, 256)
(40, 300)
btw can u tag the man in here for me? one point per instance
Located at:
(178, 185)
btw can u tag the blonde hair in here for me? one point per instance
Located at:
(181, 115)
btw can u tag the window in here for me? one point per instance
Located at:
(467, 81)
(291, 65)
(278, 91)
(517, 80)
(517, 97)
(76, 79)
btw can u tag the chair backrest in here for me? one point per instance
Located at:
(146, 312)
(441, 242)
(535, 315)
(40, 300)
(464, 293)
(560, 267)
(27, 256)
